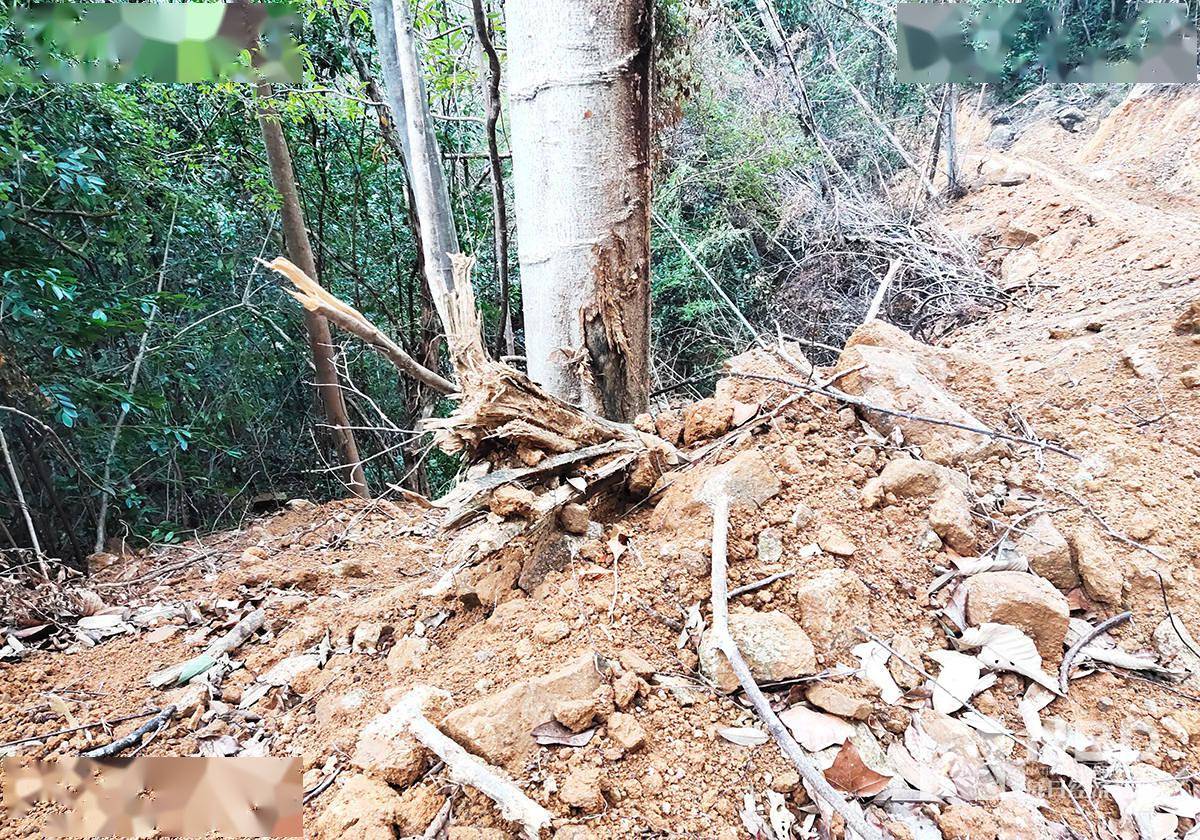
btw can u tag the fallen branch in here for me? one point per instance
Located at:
(184, 672)
(841, 396)
(1064, 670)
(150, 727)
(466, 769)
(717, 497)
(759, 584)
(100, 723)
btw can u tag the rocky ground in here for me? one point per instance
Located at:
(912, 589)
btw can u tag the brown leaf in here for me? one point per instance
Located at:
(849, 773)
(553, 733)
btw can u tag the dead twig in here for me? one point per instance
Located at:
(150, 727)
(759, 584)
(98, 724)
(841, 396)
(1064, 670)
(321, 787)
(815, 781)
(1110, 530)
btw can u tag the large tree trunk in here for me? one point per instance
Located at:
(579, 93)
(319, 340)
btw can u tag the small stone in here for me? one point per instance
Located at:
(511, 500)
(1098, 570)
(581, 789)
(833, 540)
(708, 418)
(577, 715)
(626, 689)
(366, 637)
(1175, 729)
(644, 422)
(1048, 553)
(950, 519)
(1188, 322)
(359, 808)
(774, 646)
(905, 676)
(574, 518)
(405, 655)
(389, 752)
(839, 700)
(625, 731)
(1190, 377)
(832, 603)
(770, 547)
(1028, 602)
(633, 661)
(417, 808)
(670, 426)
(574, 832)
(549, 632)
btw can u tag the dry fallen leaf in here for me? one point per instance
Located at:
(849, 773)
(553, 733)
(1003, 647)
(956, 680)
(874, 657)
(744, 736)
(815, 731)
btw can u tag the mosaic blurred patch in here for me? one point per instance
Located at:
(158, 795)
(991, 42)
(171, 42)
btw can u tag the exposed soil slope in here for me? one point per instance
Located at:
(1097, 242)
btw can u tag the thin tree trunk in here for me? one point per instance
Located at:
(102, 515)
(951, 139)
(579, 93)
(320, 342)
(505, 344)
(405, 92)
(20, 495)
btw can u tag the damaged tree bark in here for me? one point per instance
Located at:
(579, 92)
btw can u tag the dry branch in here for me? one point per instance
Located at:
(466, 769)
(150, 727)
(314, 298)
(718, 500)
(197, 665)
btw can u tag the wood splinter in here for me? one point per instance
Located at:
(717, 497)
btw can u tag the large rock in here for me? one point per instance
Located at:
(948, 491)
(1026, 601)
(832, 604)
(705, 419)
(775, 647)
(497, 727)
(889, 369)
(761, 362)
(359, 809)
(1099, 572)
(1048, 553)
(684, 517)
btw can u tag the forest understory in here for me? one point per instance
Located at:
(964, 575)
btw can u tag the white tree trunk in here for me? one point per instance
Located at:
(579, 92)
(405, 91)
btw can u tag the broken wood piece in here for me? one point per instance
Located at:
(184, 672)
(466, 769)
(150, 727)
(717, 497)
(759, 584)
